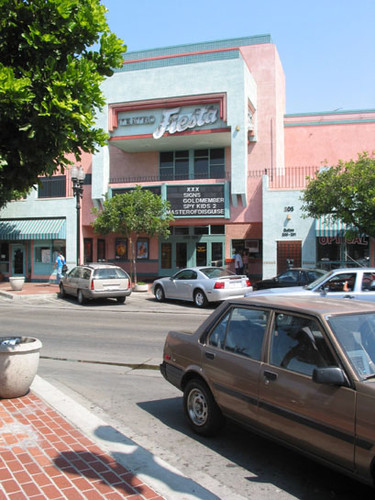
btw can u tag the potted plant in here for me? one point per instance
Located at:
(141, 286)
(17, 282)
(19, 360)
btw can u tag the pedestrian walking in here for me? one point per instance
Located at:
(59, 265)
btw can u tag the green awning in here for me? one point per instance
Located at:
(32, 229)
(328, 227)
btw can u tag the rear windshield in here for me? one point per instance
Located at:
(110, 273)
(216, 272)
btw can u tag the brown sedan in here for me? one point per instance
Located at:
(300, 370)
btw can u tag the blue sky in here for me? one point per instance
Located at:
(326, 47)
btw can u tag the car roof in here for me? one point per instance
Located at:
(303, 304)
(303, 269)
(98, 265)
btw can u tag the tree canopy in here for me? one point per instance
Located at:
(50, 76)
(346, 191)
(137, 212)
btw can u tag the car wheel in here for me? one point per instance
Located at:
(201, 410)
(200, 299)
(159, 294)
(121, 300)
(80, 297)
(62, 291)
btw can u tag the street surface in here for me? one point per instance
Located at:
(106, 356)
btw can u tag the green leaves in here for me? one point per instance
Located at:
(50, 78)
(138, 211)
(346, 191)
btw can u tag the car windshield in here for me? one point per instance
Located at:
(356, 335)
(216, 272)
(318, 281)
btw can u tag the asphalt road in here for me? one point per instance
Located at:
(105, 356)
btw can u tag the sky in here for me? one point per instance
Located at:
(326, 47)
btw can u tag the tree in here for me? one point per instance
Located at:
(347, 192)
(137, 212)
(50, 76)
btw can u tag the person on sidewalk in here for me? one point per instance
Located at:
(238, 264)
(59, 264)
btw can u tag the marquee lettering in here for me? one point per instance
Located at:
(172, 121)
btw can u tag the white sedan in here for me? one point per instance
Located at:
(356, 283)
(201, 285)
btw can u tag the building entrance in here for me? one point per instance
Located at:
(190, 249)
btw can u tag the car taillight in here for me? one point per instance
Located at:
(219, 284)
(248, 283)
(92, 285)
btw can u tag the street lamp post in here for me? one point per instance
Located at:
(78, 176)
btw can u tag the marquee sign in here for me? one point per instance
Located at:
(159, 122)
(173, 120)
(206, 200)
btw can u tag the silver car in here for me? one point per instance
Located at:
(349, 283)
(201, 285)
(95, 281)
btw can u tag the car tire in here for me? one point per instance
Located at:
(200, 299)
(121, 300)
(159, 294)
(80, 297)
(201, 410)
(62, 293)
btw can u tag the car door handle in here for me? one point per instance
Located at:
(209, 355)
(349, 297)
(270, 376)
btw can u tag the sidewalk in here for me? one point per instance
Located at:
(42, 456)
(28, 289)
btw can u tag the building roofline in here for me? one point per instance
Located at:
(198, 47)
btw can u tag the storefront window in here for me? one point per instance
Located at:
(43, 255)
(142, 248)
(336, 251)
(121, 249)
(4, 257)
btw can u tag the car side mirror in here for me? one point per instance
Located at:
(332, 375)
(275, 280)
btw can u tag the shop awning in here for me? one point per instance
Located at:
(327, 226)
(32, 229)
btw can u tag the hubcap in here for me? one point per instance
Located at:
(199, 299)
(197, 407)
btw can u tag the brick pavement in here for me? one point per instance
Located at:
(42, 456)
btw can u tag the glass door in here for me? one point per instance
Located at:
(201, 253)
(18, 260)
(181, 255)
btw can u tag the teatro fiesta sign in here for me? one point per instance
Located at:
(173, 120)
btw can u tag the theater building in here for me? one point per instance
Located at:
(204, 126)
(197, 124)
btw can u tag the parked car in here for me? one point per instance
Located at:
(95, 281)
(296, 276)
(201, 285)
(299, 371)
(351, 283)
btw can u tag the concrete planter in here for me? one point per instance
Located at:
(19, 360)
(17, 282)
(141, 288)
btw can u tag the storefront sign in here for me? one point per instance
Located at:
(129, 121)
(173, 120)
(338, 240)
(206, 200)
(288, 233)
